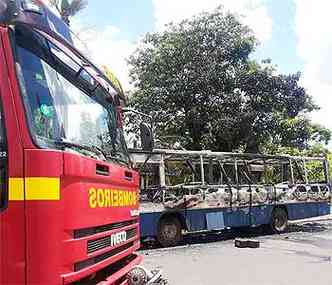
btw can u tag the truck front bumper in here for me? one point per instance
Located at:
(114, 278)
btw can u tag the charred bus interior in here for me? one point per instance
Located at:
(188, 179)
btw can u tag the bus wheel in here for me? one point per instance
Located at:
(279, 220)
(169, 231)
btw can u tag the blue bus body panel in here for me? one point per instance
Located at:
(215, 221)
(237, 218)
(196, 220)
(149, 223)
(299, 211)
(218, 219)
(261, 215)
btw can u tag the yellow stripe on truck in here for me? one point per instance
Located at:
(16, 189)
(42, 188)
(34, 189)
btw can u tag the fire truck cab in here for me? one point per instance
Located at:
(68, 196)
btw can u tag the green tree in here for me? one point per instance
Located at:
(68, 9)
(199, 81)
(314, 150)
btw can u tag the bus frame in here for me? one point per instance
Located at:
(170, 209)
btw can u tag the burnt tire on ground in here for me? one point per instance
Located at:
(169, 231)
(137, 276)
(279, 220)
(246, 243)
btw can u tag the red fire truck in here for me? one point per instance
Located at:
(68, 196)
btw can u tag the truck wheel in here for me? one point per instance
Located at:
(279, 220)
(169, 231)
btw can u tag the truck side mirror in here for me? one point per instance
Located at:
(146, 137)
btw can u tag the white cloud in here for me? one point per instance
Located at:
(106, 47)
(313, 26)
(254, 12)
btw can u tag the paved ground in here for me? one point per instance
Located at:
(302, 256)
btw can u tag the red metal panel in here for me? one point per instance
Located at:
(77, 249)
(44, 222)
(51, 247)
(43, 163)
(75, 276)
(79, 176)
(12, 226)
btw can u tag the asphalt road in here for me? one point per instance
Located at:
(302, 256)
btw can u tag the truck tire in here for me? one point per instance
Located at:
(279, 220)
(169, 231)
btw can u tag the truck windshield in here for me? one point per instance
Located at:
(66, 107)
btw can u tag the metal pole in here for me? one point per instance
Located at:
(221, 177)
(326, 170)
(162, 171)
(292, 171)
(305, 172)
(236, 172)
(202, 169)
(265, 173)
(162, 177)
(210, 171)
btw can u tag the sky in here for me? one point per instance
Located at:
(295, 34)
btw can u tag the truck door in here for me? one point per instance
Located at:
(12, 199)
(3, 187)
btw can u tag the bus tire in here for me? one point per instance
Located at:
(279, 220)
(169, 231)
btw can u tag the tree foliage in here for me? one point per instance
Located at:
(199, 81)
(68, 9)
(315, 168)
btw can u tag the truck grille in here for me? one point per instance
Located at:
(101, 243)
(91, 261)
(99, 229)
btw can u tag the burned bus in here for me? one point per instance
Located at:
(190, 191)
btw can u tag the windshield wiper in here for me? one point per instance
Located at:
(117, 159)
(92, 148)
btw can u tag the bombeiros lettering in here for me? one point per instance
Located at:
(105, 198)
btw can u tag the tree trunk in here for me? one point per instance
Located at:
(252, 145)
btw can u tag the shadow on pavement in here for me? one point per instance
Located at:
(253, 232)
